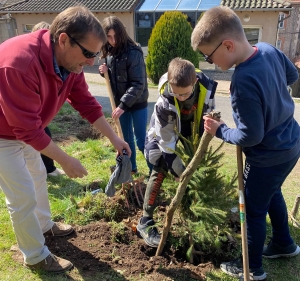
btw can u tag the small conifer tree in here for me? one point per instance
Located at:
(208, 198)
(170, 38)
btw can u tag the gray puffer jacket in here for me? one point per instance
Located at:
(127, 74)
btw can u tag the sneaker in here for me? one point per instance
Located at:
(57, 172)
(273, 251)
(59, 229)
(235, 268)
(149, 233)
(52, 264)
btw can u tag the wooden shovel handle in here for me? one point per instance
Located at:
(242, 204)
(113, 104)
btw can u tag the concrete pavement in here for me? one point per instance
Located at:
(98, 88)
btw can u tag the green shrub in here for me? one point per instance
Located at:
(170, 38)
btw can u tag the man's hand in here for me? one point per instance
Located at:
(211, 125)
(70, 165)
(177, 179)
(119, 145)
(73, 168)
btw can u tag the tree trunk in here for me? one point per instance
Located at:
(295, 210)
(184, 180)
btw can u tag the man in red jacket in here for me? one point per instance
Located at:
(38, 73)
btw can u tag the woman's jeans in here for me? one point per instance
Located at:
(263, 195)
(134, 122)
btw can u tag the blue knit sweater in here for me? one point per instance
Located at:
(263, 109)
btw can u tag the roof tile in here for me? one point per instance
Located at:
(125, 5)
(59, 5)
(255, 4)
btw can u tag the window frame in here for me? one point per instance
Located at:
(281, 19)
(25, 29)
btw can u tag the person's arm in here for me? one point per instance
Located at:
(165, 123)
(291, 71)
(249, 119)
(69, 164)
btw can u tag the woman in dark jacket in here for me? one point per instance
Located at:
(125, 64)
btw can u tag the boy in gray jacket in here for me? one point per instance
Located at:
(183, 92)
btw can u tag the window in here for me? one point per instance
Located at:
(148, 12)
(166, 5)
(252, 35)
(28, 27)
(205, 5)
(281, 20)
(188, 5)
(278, 44)
(180, 5)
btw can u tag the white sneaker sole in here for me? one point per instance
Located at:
(297, 251)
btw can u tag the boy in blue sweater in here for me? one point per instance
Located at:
(265, 129)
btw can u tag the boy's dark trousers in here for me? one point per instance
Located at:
(263, 195)
(48, 162)
(159, 172)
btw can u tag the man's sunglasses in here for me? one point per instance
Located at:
(179, 95)
(208, 58)
(88, 54)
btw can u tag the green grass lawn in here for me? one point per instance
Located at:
(97, 156)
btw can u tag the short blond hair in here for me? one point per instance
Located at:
(41, 25)
(217, 24)
(181, 73)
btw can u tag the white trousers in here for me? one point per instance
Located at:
(23, 181)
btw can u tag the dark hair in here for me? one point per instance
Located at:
(181, 73)
(78, 22)
(122, 38)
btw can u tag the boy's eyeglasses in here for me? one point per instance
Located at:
(88, 54)
(208, 58)
(179, 95)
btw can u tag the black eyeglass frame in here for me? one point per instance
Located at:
(208, 58)
(88, 54)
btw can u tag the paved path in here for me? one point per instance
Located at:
(98, 88)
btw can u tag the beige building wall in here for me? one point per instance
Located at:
(23, 19)
(266, 21)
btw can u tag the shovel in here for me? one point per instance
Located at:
(239, 155)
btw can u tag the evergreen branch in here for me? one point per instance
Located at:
(184, 180)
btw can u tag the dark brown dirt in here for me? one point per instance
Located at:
(98, 247)
(75, 128)
(91, 249)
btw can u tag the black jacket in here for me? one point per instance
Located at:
(128, 78)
